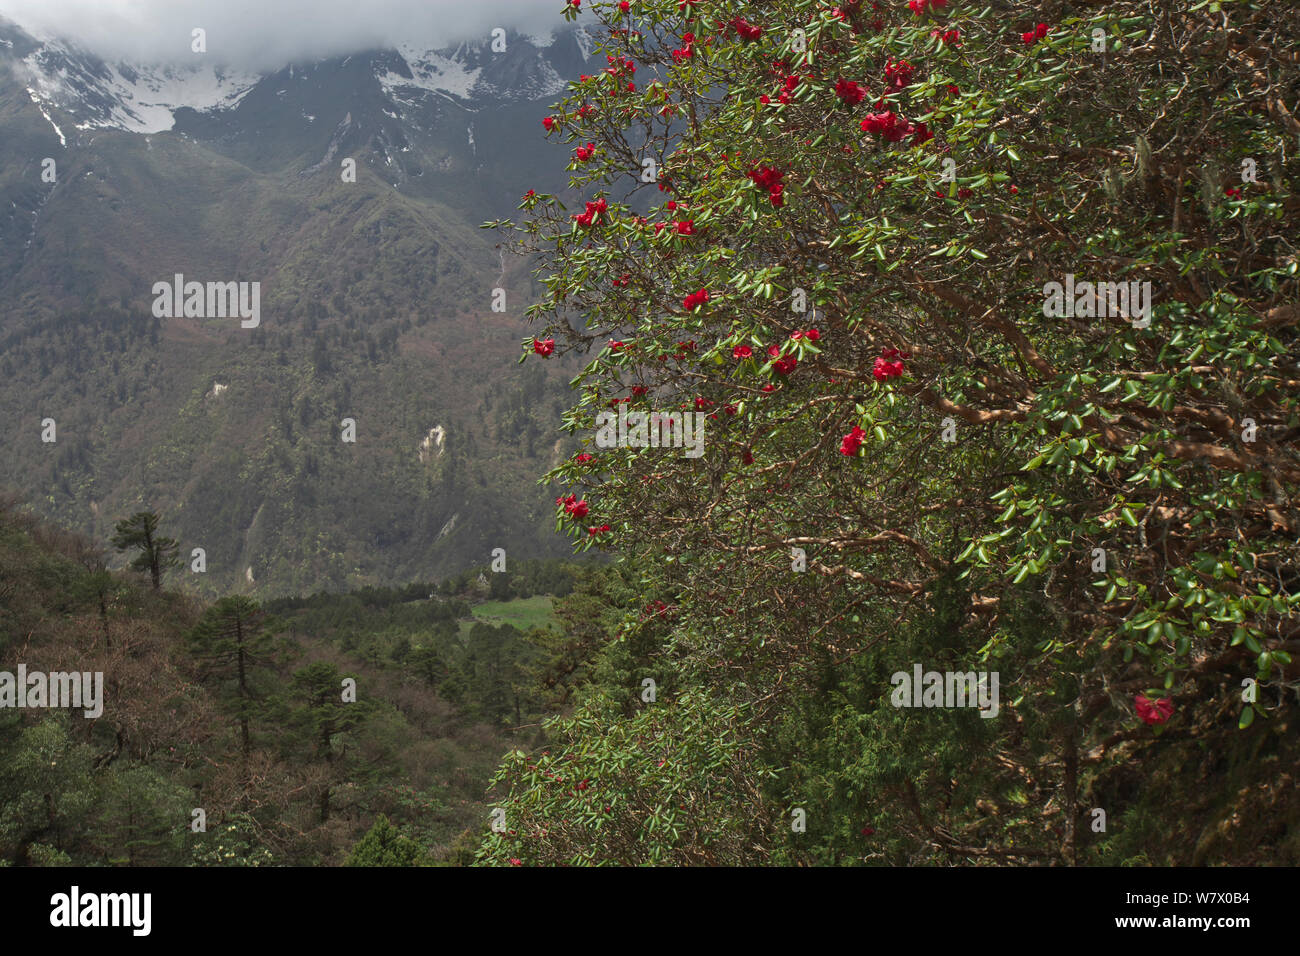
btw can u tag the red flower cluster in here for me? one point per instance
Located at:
(583, 458)
(1232, 193)
(617, 67)
(852, 442)
(898, 75)
(1036, 34)
(812, 335)
(783, 364)
(695, 300)
(655, 608)
(742, 352)
(548, 122)
(687, 49)
(950, 37)
(1153, 712)
(770, 179)
(790, 84)
(850, 92)
(918, 6)
(889, 364)
(747, 30)
(686, 228)
(888, 124)
(543, 347)
(584, 153)
(572, 506)
(624, 6)
(593, 531)
(593, 213)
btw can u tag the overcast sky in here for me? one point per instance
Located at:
(260, 33)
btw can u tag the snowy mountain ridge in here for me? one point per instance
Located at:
(145, 98)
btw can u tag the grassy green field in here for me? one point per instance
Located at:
(521, 613)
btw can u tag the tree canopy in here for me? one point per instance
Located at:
(991, 313)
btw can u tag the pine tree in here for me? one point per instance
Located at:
(158, 553)
(231, 642)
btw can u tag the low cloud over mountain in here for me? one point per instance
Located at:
(257, 35)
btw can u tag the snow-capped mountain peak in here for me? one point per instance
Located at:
(145, 98)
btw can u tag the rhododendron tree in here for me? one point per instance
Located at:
(1093, 503)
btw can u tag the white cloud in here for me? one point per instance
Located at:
(264, 33)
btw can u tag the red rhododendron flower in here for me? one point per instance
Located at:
(549, 123)
(747, 30)
(742, 352)
(594, 210)
(583, 458)
(889, 125)
(785, 365)
(695, 299)
(686, 228)
(813, 334)
(1036, 34)
(769, 178)
(543, 347)
(898, 75)
(888, 365)
(584, 153)
(514, 860)
(852, 442)
(625, 6)
(850, 92)
(1153, 712)
(577, 509)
